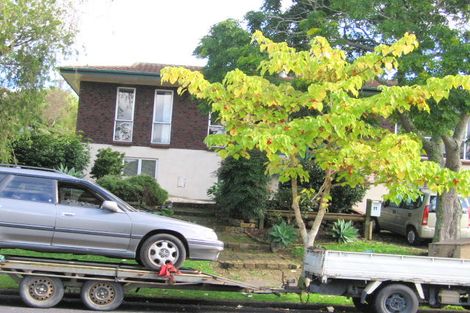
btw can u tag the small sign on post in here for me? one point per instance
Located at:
(376, 208)
(373, 208)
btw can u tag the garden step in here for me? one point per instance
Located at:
(256, 260)
(237, 246)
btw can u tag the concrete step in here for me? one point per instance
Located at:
(237, 246)
(233, 259)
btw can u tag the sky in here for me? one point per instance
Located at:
(123, 32)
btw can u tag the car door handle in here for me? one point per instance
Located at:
(68, 214)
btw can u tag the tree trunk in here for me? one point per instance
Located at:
(324, 202)
(449, 211)
(297, 214)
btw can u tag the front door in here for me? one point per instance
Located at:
(82, 223)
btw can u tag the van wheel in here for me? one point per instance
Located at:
(41, 292)
(396, 298)
(412, 236)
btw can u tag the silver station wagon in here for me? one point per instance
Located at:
(45, 210)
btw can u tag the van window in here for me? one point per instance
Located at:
(465, 202)
(29, 188)
(433, 203)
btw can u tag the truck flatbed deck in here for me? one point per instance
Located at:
(42, 281)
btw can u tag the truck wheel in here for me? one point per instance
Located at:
(160, 248)
(363, 307)
(102, 295)
(412, 236)
(41, 292)
(396, 298)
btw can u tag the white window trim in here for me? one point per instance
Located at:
(116, 114)
(139, 164)
(155, 111)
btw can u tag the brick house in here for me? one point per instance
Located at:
(160, 132)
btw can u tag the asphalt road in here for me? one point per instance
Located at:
(12, 304)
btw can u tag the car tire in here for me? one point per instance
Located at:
(102, 295)
(41, 291)
(159, 248)
(412, 236)
(396, 298)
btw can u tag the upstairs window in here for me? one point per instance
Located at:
(124, 119)
(162, 111)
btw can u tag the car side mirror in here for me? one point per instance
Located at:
(111, 206)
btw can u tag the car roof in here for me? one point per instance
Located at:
(34, 171)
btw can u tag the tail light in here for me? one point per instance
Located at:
(425, 215)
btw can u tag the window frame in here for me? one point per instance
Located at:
(139, 165)
(121, 120)
(155, 112)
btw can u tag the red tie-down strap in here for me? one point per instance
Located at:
(167, 270)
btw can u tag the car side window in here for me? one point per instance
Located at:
(28, 188)
(78, 195)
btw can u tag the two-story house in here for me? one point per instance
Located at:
(160, 132)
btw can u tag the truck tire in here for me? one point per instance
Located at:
(396, 298)
(412, 236)
(41, 292)
(102, 295)
(363, 307)
(159, 248)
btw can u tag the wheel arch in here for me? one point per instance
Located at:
(163, 231)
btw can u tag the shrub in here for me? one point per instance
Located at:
(242, 188)
(108, 162)
(283, 234)
(344, 232)
(51, 150)
(342, 197)
(142, 189)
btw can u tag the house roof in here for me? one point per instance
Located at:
(144, 74)
(135, 74)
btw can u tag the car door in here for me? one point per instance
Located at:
(83, 224)
(27, 210)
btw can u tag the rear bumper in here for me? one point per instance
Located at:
(205, 249)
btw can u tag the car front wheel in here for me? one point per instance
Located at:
(160, 248)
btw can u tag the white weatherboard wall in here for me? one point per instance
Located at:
(185, 174)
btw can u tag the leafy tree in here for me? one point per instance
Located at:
(32, 34)
(261, 115)
(227, 47)
(358, 26)
(108, 162)
(242, 190)
(52, 149)
(60, 110)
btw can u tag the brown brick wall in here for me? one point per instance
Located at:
(97, 110)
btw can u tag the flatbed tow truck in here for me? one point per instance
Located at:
(42, 282)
